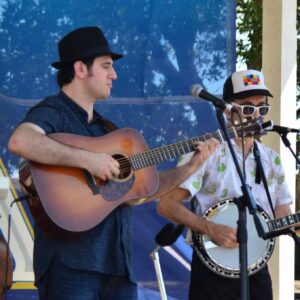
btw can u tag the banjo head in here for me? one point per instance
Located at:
(225, 261)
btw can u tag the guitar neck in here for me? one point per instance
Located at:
(284, 222)
(161, 154)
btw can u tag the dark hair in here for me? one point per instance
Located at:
(66, 74)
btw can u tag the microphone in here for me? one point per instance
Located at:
(168, 234)
(198, 91)
(282, 129)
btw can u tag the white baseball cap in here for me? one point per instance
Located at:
(244, 84)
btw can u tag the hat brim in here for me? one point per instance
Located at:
(251, 93)
(61, 64)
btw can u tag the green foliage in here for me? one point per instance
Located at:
(249, 41)
(249, 27)
(249, 47)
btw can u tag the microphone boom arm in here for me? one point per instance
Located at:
(287, 143)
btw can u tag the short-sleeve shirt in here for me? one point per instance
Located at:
(105, 248)
(217, 179)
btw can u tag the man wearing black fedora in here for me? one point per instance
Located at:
(97, 263)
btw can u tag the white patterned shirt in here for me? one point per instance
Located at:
(217, 179)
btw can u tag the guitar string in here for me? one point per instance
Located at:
(145, 157)
(154, 156)
(126, 166)
(159, 151)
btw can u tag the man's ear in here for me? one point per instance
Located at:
(80, 69)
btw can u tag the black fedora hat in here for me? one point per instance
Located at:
(81, 43)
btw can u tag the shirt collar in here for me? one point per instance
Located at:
(238, 149)
(262, 149)
(77, 108)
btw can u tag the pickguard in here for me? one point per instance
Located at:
(115, 189)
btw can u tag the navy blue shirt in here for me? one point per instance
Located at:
(105, 248)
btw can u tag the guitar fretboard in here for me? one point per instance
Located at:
(284, 222)
(158, 155)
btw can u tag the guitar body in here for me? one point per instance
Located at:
(72, 199)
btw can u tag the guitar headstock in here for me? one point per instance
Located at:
(253, 128)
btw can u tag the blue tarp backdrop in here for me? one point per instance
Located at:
(168, 46)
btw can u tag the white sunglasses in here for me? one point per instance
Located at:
(249, 110)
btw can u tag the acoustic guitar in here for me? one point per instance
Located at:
(67, 199)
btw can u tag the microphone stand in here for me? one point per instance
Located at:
(246, 200)
(166, 237)
(287, 143)
(155, 257)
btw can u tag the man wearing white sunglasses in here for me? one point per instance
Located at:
(217, 180)
(246, 90)
(248, 110)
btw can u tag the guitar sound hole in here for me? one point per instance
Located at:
(125, 166)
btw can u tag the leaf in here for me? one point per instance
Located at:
(221, 168)
(277, 161)
(196, 185)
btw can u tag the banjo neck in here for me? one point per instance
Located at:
(283, 223)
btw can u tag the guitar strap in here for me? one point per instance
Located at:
(196, 244)
(288, 231)
(107, 124)
(261, 176)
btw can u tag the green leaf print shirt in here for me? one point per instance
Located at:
(217, 179)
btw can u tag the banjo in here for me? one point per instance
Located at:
(225, 261)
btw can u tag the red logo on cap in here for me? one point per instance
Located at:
(251, 80)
